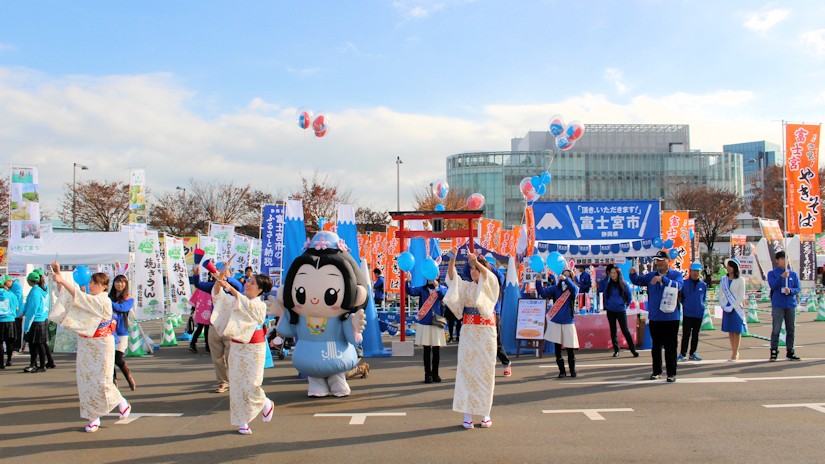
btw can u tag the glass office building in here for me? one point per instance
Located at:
(585, 175)
(770, 154)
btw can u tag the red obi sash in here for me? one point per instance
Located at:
(259, 336)
(104, 331)
(475, 319)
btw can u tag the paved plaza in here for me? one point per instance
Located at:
(749, 411)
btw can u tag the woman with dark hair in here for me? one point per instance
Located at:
(36, 312)
(242, 315)
(616, 297)
(561, 329)
(122, 303)
(89, 315)
(9, 307)
(732, 300)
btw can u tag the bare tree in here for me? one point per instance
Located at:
(101, 205)
(425, 200)
(228, 204)
(714, 209)
(320, 198)
(369, 220)
(171, 215)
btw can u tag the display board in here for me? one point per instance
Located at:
(530, 320)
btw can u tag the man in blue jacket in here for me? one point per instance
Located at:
(692, 296)
(664, 326)
(584, 282)
(378, 288)
(784, 285)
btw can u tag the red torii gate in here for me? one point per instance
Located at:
(437, 218)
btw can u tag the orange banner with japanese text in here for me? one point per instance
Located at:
(804, 213)
(676, 227)
(490, 234)
(392, 275)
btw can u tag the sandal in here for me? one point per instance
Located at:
(125, 412)
(468, 425)
(267, 415)
(487, 423)
(245, 430)
(92, 428)
(221, 388)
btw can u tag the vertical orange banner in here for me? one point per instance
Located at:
(392, 275)
(530, 223)
(802, 179)
(507, 245)
(737, 245)
(378, 257)
(675, 227)
(490, 234)
(364, 249)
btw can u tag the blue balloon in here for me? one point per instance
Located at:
(673, 253)
(536, 263)
(536, 182)
(82, 275)
(439, 207)
(692, 235)
(429, 269)
(563, 143)
(556, 263)
(321, 222)
(668, 243)
(625, 267)
(657, 242)
(541, 189)
(546, 177)
(406, 261)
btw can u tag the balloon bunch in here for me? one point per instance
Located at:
(440, 189)
(554, 262)
(672, 253)
(319, 122)
(533, 187)
(565, 134)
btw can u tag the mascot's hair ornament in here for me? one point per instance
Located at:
(324, 240)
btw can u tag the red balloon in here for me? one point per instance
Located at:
(527, 190)
(304, 118)
(319, 123)
(321, 133)
(475, 201)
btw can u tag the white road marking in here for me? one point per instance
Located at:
(358, 418)
(681, 363)
(137, 415)
(592, 414)
(819, 407)
(701, 380)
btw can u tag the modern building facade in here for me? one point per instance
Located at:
(642, 162)
(755, 155)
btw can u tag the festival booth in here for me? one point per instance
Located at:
(597, 233)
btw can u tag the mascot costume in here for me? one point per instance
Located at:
(323, 296)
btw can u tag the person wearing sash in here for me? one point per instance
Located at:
(474, 302)
(731, 299)
(664, 319)
(428, 334)
(561, 331)
(89, 315)
(241, 317)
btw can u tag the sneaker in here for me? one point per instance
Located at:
(635, 354)
(43, 369)
(774, 354)
(193, 349)
(436, 379)
(695, 357)
(50, 366)
(793, 357)
(508, 371)
(655, 377)
(29, 369)
(428, 379)
(671, 378)
(681, 357)
(615, 354)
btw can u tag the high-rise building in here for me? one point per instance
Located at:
(754, 155)
(611, 162)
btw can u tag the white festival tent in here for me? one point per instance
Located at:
(87, 248)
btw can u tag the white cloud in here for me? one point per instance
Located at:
(763, 21)
(815, 40)
(302, 72)
(117, 122)
(4, 47)
(417, 9)
(615, 77)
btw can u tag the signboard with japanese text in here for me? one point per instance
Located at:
(24, 210)
(804, 213)
(177, 276)
(148, 275)
(224, 235)
(596, 220)
(737, 245)
(255, 256)
(137, 196)
(675, 227)
(209, 245)
(773, 235)
(531, 317)
(241, 246)
(272, 238)
(807, 258)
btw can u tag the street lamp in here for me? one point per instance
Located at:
(398, 164)
(184, 193)
(74, 193)
(760, 160)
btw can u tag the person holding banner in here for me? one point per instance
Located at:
(731, 299)
(561, 330)
(475, 303)
(616, 300)
(692, 296)
(241, 316)
(89, 315)
(663, 311)
(429, 332)
(784, 285)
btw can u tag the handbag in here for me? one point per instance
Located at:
(670, 298)
(439, 321)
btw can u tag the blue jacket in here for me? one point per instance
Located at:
(584, 282)
(378, 288)
(778, 299)
(120, 311)
(8, 306)
(614, 301)
(655, 292)
(17, 290)
(565, 314)
(207, 286)
(423, 293)
(693, 295)
(36, 307)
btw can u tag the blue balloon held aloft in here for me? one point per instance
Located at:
(536, 263)
(536, 182)
(673, 253)
(692, 234)
(82, 275)
(546, 177)
(406, 261)
(668, 243)
(541, 189)
(556, 125)
(556, 262)
(439, 207)
(563, 143)
(657, 242)
(429, 269)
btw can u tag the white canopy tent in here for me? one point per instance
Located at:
(88, 248)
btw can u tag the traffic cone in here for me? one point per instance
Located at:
(766, 292)
(812, 303)
(169, 333)
(176, 321)
(782, 335)
(753, 315)
(707, 322)
(135, 347)
(820, 312)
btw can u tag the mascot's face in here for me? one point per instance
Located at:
(318, 292)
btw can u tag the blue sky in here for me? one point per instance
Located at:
(210, 89)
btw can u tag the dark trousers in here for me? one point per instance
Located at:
(432, 356)
(788, 316)
(18, 329)
(502, 355)
(201, 328)
(665, 334)
(690, 332)
(621, 318)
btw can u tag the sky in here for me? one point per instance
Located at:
(209, 90)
